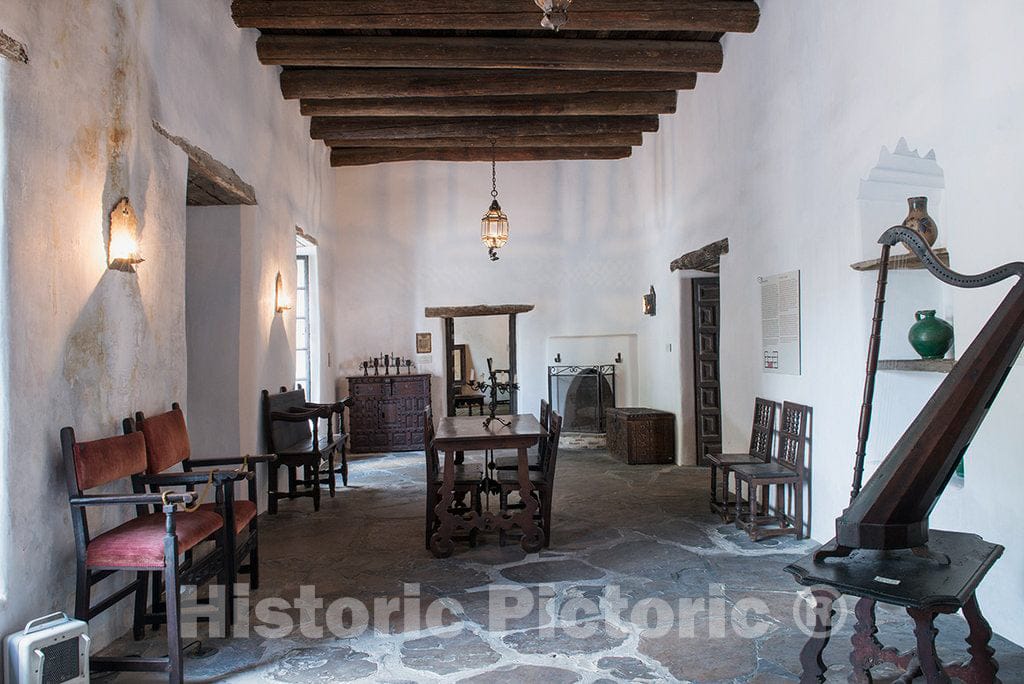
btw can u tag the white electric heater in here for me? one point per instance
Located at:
(50, 650)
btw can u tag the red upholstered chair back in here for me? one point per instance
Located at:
(166, 440)
(103, 461)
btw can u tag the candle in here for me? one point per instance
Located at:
(515, 379)
(472, 375)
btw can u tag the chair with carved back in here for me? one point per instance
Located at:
(537, 458)
(167, 446)
(786, 471)
(150, 543)
(468, 481)
(762, 436)
(543, 481)
(292, 431)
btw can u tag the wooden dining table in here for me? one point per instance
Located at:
(467, 433)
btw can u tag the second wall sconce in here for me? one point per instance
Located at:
(123, 243)
(281, 302)
(651, 303)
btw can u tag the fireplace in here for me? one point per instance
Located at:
(581, 395)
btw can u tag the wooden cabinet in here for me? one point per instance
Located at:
(387, 412)
(641, 435)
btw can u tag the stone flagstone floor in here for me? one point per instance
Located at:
(726, 606)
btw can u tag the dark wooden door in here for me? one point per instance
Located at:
(707, 380)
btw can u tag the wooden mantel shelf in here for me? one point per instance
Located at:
(917, 365)
(901, 262)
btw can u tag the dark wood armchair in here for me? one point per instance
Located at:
(149, 543)
(292, 430)
(537, 459)
(167, 445)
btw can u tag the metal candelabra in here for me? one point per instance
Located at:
(492, 387)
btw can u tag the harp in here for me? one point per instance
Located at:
(891, 510)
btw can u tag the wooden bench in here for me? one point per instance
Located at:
(293, 432)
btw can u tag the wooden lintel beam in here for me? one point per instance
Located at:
(576, 54)
(362, 156)
(593, 15)
(358, 128)
(404, 83)
(595, 140)
(574, 104)
(476, 310)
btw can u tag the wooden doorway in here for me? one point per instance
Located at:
(706, 372)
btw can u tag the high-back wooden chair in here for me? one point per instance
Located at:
(543, 480)
(787, 472)
(167, 446)
(762, 434)
(468, 481)
(149, 543)
(536, 459)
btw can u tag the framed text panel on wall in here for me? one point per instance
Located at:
(780, 323)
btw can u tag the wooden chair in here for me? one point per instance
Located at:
(468, 482)
(762, 436)
(167, 445)
(148, 543)
(543, 481)
(536, 459)
(291, 427)
(785, 472)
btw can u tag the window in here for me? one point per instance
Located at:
(307, 323)
(303, 357)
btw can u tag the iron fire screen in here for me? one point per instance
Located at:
(581, 395)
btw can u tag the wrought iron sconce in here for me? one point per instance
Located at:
(651, 303)
(281, 303)
(123, 242)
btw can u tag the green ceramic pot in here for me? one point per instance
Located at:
(930, 337)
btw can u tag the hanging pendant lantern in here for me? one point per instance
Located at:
(494, 225)
(556, 13)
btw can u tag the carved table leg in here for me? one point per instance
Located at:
(441, 544)
(813, 666)
(533, 536)
(982, 667)
(866, 646)
(928, 659)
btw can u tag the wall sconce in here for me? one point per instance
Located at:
(651, 303)
(123, 245)
(281, 302)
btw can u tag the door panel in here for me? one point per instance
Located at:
(707, 389)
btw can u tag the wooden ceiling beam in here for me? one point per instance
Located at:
(572, 104)
(362, 156)
(574, 54)
(361, 128)
(593, 15)
(404, 83)
(594, 140)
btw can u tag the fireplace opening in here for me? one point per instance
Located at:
(582, 395)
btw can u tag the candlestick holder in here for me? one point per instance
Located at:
(492, 387)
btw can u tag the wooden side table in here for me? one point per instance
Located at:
(926, 587)
(641, 435)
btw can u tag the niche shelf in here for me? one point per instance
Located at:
(917, 365)
(901, 262)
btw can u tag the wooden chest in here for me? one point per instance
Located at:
(641, 435)
(387, 412)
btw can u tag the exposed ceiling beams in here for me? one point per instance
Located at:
(715, 16)
(490, 53)
(403, 80)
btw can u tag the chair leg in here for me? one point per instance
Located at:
(316, 486)
(739, 500)
(798, 508)
(292, 477)
(330, 472)
(229, 577)
(714, 488)
(429, 516)
(545, 501)
(272, 469)
(82, 593)
(138, 620)
(157, 579)
(344, 466)
(174, 655)
(254, 559)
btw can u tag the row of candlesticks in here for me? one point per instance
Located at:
(387, 362)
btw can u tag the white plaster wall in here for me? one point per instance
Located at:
(89, 345)
(771, 153)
